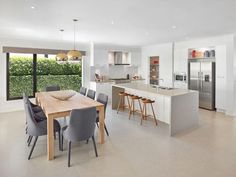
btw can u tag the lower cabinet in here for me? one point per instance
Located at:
(138, 81)
(105, 88)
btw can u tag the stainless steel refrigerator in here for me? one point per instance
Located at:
(201, 77)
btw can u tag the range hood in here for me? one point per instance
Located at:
(119, 58)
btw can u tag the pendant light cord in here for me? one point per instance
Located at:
(75, 20)
(61, 30)
(74, 34)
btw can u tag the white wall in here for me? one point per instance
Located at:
(6, 106)
(164, 51)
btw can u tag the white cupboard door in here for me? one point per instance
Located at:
(220, 77)
(180, 61)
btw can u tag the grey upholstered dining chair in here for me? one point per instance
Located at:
(52, 88)
(91, 94)
(83, 90)
(36, 110)
(102, 98)
(35, 107)
(81, 127)
(36, 129)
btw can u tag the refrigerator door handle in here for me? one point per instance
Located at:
(202, 79)
(199, 80)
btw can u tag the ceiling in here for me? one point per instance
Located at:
(119, 22)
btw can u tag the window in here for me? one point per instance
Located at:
(31, 73)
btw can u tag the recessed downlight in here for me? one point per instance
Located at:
(32, 7)
(112, 22)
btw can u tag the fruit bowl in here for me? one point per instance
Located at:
(63, 96)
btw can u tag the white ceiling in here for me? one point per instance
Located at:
(136, 22)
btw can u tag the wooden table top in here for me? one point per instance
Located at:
(52, 106)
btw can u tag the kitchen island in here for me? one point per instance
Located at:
(176, 107)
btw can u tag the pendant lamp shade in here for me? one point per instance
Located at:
(74, 54)
(61, 57)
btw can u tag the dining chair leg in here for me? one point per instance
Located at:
(59, 136)
(106, 129)
(32, 149)
(30, 140)
(69, 152)
(62, 139)
(87, 141)
(94, 145)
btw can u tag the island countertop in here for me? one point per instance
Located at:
(155, 90)
(176, 107)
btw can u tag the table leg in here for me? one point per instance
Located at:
(50, 138)
(101, 124)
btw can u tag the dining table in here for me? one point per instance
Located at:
(56, 108)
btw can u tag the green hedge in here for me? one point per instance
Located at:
(20, 66)
(49, 72)
(65, 82)
(18, 84)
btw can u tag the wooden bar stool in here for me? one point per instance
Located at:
(121, 103)
(132, 105)
(144, 110)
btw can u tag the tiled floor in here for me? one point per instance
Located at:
(130, 151)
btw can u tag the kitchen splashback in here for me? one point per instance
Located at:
(113, 71)
(122, 71)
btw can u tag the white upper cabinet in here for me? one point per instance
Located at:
(180, 60)
(220, 77)
(135, 58)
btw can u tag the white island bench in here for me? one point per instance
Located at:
(176, 107)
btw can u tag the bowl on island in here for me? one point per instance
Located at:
(63, 96)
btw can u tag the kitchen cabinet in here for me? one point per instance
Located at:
(220, 102)
(135, 58)
(180, 85)
(142, 81)
(180, 60)
(102, 87)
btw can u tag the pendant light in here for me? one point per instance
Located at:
(61, 56)
(74, 54)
